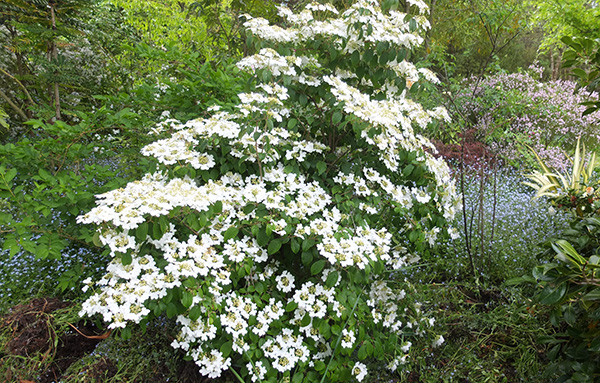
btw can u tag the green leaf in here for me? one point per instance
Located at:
(362, 352)
(28, 246)
(291, 306)
(321, 167)
(141, 232)
(305, 321)
(218, 207)
(325, 329)
(318, 266)
(337, 117)
(96, 240)
(262, 238)
(551, 295)
(226, 348)
(274, 246)
(232, 232)
(195, 313)
(319, 365)
(307, 244)
(10, 175)
(172, 310)
(126, 259)
(569, 315)
(298, 376)
(295, 245)
(187, 299)
(332, 279)
(355, 58)
(595, 345)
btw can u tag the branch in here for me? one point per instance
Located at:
(20, 84)
(13, 105)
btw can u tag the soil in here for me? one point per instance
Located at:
(32, 335)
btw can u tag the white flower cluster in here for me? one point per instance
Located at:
(260, 257)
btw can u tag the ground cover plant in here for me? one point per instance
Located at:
(499, 230)
(271, 231)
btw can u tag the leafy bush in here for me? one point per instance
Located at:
(272, 230)
(571, 288)
(50, 172)
(570, 280)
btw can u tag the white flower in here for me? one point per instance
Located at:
(359, 371)
(438, 341)
(348, 338)
(285, 281)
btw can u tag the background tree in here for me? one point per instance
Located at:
(560, 18)
(39, 32)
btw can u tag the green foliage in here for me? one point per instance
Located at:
(50, 174)
(583, 58)
(185, 85)
(469, 37)
(49, 177)
(571, 290)
(490, 334)
(559, 18)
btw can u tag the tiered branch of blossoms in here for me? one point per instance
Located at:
(274, 232)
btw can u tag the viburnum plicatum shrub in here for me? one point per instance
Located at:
(276, 233)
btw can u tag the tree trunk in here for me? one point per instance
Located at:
(428, 33)
(54, 57)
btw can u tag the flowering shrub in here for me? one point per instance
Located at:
(509, 110)
(272, 231)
